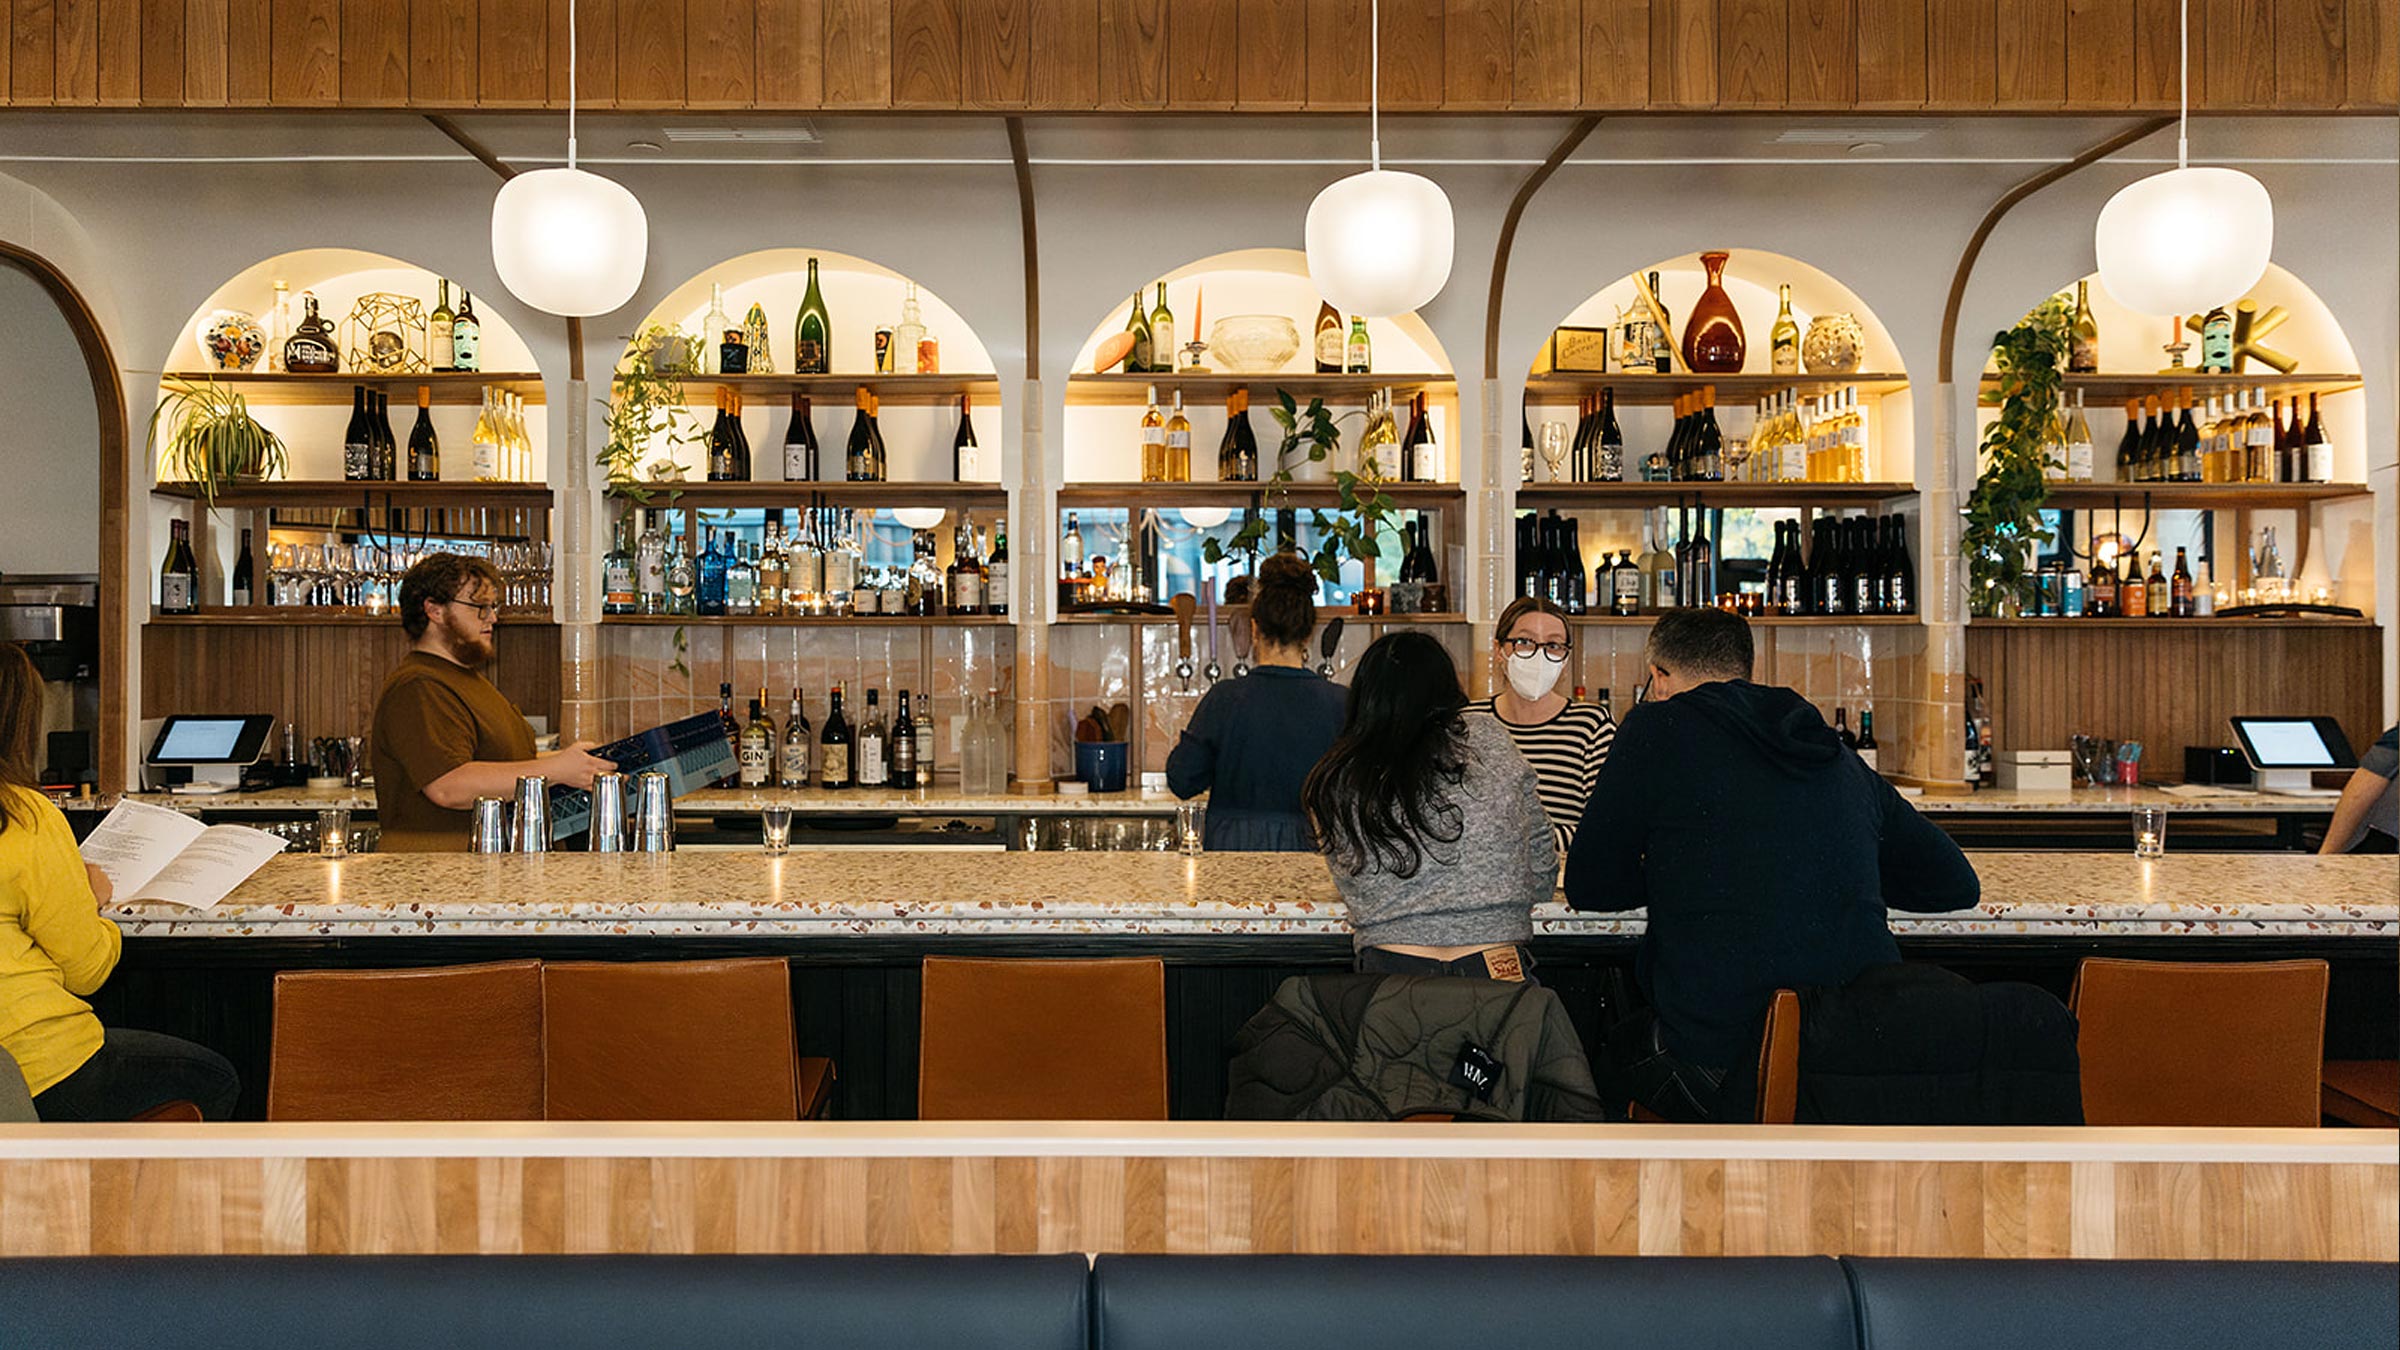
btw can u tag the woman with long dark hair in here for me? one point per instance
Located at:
(1252, 740)
(1430, 820)
(56, 949)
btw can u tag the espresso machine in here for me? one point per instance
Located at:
(57, 620)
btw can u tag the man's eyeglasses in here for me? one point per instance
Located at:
(1555, 651)
(1641, 692)
(485, 612)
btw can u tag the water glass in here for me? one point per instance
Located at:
(775, 827)
(1190, 819)
(333, 832)
(2149, 831)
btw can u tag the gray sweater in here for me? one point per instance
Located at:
(1480, 888)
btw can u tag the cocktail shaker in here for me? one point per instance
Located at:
(533, 814)
(653, 813)
(608, 813)
(490, 832)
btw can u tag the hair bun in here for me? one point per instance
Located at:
(1286, 570)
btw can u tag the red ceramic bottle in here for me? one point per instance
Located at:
(1712, 340)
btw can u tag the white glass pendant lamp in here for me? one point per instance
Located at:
(2187, 240)
(918, 517)
(565, 241)
(1379, 242)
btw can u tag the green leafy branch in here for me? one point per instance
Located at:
(645, 401)
(2003, 522)
(1365, 508)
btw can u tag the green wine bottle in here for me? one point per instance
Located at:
(812, 333)
(1137, 361)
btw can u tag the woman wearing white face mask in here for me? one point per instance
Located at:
(1565, 741)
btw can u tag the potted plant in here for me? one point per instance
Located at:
(645, 401)
(1365, 510)
(210, 438)
(2003, 513)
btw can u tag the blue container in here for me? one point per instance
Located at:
(1101, 764)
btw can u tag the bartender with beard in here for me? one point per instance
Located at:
(444, 735)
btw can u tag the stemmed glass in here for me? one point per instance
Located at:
(1554, 449)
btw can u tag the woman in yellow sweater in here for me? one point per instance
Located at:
(55, 948)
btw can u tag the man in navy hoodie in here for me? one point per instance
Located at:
(1765, 850)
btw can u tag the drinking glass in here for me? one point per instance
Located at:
(775, 824)
(2149, 831)
(1554, 449)
(333, 832)
(1190, 819)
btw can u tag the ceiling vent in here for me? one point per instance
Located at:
(1883, 133)
(787, 133)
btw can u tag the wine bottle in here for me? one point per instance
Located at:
(1424, 453)
(2083, 342)
(1661, 344)
(1784, 341)
(1576, 594)
(1237, 454)
(1179, 438)
(424, 448)
(904, 747)
(1900, 578)
(1154, 438)
(244, 591)
(833, 757)
(1428, 570)
(466, 335)
(720, 440)
(2179, 587)
(791, 766)
(358, 439)
(1700, 566)
(2079, 444)
(1525, 454)
(1137, 361)
(1611, 465)
(1831, 568)
(873, 748)
(1162, 338)
(741, 439)
(1329, 339)
(179, 573)
(880, 464)
(2187, 444)
(1356, 355)
(859, 462)
(1866, 747)
(812, 331)
(438, 326)
(966, 457)
(1407, 453)
(1625, 585)
(1866, 583)
(800, 444)
(2129, 446)
(2319, 446)
(995, 581)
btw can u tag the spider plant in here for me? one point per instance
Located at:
(203, 433)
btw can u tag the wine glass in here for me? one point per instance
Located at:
(1554, 449)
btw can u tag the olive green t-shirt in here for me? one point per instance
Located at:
(432, 716)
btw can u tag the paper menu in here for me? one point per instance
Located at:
(151, 853)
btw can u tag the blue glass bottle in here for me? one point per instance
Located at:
(712, 578)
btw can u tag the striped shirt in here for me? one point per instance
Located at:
(1566, 753)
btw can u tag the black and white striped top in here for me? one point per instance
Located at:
(1566, 753)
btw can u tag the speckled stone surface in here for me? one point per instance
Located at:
(814, 893)
(2117, 800)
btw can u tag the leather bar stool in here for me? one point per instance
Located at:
(441, 1043)
(2226, 1044)
(2363, 1092)
(1043, 1040)
(675, 1040)
(1778, 1097)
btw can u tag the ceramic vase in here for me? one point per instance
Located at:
(1712, 340)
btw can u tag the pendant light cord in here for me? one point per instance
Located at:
(2183, 91)
(570, 84)
(1375, 83)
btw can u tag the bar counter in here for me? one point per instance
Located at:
(735, 893)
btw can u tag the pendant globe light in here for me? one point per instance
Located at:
(568, 242)
(1379, 242)
(2188, 240)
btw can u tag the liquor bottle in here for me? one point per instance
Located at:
(800, 444)
(791, 767)
(1772, 586)
(358, 441)
(438, 326)
(1237, 454)
(1162, 337)
(617, 592)
(1868, 568)
(1328, 339)
(1154, 439)
(1552, 553)
(245, 593)
(1662, 584)
(710, 599)
(2079, 444)
(2160, 598)
(2100, 592)
(279, 324)
(924, 739)
(2216, 342)
(833, 757)
(1625, 584)
(312, 348)
(904, 747)
(1577, 595)
(2319, 446)
(1070, 547)
(179, 573)
(1662, 347)
(757, 753)
(812, 331)
(966, 457)
(859, 460)
(741, 579)
(1423, 457)
(908, 336)
(1900, 580)
(2179, 587)
(1841, 728)
(1784, 342)
(872, 753)
(1356, 355)
(713, 323)
(995, 572)
(1610, 466)
(683, 577)
(2133, 597)
(965, 578)
(774, 568)
(1700, 565)
(2083, 339)
(1137, 361)
(1866, 747)
(2214, 429)
(424, 449)
(650, 567)
(466, 334)
(1527, 556)
(1179, 430)
(720, 440)
(1708, 460)
(725, 719)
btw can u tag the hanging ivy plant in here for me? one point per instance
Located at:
(2003, 513)
(1350, 531)
(645, 400)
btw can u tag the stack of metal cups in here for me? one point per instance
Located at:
(490, 833)
(608, 813)
(533, 814)
(653, 813)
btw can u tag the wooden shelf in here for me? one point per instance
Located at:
(316, 616)
(2106, 388)
(806, 621)
(371, 495)
(1638, 390)
(1267, 496)
(1627, 496)
(833, 392)
(1090, 391)
(2202, 496)
(1325, 614)
(1764, 620)
(450, 388)
(2211, 623)
(703, 495)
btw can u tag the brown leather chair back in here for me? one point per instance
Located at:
(669, 1040)
(1043, 1040)
(2200, 1043)
(1779, 1061)
(443, 1043)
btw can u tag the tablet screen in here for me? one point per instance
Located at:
(2287, 744)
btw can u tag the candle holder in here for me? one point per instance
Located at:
(1192, 352)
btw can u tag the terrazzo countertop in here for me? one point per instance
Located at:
(2111, 800)
(821, 893)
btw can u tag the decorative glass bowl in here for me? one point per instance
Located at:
(1834, 345)
(1253, 344)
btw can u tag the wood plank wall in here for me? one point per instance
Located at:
(1084, 55)
(2047, 682)
(1701, 1207)
(322, 677)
